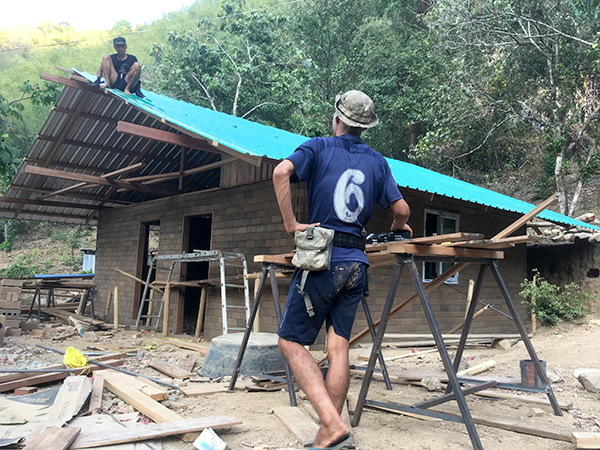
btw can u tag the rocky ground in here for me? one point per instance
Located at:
(565, 348)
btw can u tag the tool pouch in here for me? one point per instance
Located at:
(313, 253)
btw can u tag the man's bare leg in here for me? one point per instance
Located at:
(108, 70)
(309, 377)
(132, 77)
(338, 375)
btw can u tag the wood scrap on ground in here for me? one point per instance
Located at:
(584, 439)
(170, 369)
(152, 431)
(96, 395)
(53, 439)
(299, 424)
(200, 348)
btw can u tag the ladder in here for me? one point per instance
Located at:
(226, 260)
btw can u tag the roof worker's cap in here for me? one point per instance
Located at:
(119, 41)
(356, 109)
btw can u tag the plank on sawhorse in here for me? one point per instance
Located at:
(152, 431)
(299, 424)
(53, 439)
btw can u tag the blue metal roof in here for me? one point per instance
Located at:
(260, 140)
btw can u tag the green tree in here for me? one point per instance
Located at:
(527, 71)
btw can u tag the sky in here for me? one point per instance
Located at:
(85, 15)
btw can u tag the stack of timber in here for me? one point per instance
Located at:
(10, 308)
(552, 232)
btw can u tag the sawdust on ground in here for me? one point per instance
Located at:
(564, 348)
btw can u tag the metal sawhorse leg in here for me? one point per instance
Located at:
(268, 270)
(454, 391)
(38, 295)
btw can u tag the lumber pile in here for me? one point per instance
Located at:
(10, 307)
(557, 233)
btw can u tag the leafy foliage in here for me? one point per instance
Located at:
(552, 303)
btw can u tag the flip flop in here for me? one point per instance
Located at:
(337, 445)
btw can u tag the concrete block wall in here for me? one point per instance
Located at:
(246, 220)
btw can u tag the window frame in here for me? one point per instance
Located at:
(439, 266)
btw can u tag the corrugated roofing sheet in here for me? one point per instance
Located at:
(115, 150)
(261, 140)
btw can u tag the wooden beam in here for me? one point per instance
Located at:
(59, 165)
(43, 171)
(53, 439)
(114, 173)
(103, 438)
(522, 221)
(43, 215)
(442, 250)
(73, 194)
(185, 140)
(585, 439)
(29, 201)
(497, 243)
(159, 177)
(168, 137)
(71, 83)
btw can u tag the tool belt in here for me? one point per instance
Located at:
(347, 240)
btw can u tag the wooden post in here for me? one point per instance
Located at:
(166, 306)
(150, 311)
(256, 324)
(108, 303)
(116, 307)
(81, 307)
(533, 316)
(201, 308)
(469, 296)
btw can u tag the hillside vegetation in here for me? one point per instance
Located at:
(31, 248)
(503, 94)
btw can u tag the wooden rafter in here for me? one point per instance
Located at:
(114, 173)
(80, 177)
(82, 195)
(71, 83)
(156, 178)
(184, 140)
(45, 214)
(31, 201)
(60, 165)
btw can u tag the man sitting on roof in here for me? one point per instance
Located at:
(121, 71)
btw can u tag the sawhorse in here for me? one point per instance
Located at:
(269, 269)
(454, 390)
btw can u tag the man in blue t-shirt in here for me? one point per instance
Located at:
(121, 71)
(345, 178)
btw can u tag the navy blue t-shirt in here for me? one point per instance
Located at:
(345, 178)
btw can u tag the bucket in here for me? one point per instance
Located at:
(529, 377)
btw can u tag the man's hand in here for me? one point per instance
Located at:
(405, 227)
(292, 228)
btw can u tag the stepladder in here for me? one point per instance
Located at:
(233, 270)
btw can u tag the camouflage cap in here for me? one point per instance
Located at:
(119, 41)
(356, 109)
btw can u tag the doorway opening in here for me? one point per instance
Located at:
(149, 239)
(197, 233)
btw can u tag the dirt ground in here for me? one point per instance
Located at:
(564, 347)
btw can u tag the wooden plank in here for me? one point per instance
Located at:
(539, 429)
(298, 423)
(525, 218)
(93, 179)
(122, 387)
(147, 387)
(200, 348)
(498, 243)
(284, 259)
(585, 439)
(70, 399)
(152, 431)
(196, 390)
(17, 376)
(49, 377)
(170, 369)
(96, 395)
(53, 439)
(438, 239)
(187, 364)
(442, 250)
(168, 137)
(522, 398)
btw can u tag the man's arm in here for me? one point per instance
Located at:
(283, 192)
(401, 212)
